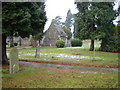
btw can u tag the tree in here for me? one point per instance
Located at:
(94, 20)
(68, 32)
(13, 20)
(75, 26)
(57, 20)
(24, 18)
(37, 23)
(69, 19)
(111, 40)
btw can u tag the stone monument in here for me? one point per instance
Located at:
(14, 62)
(37, 50)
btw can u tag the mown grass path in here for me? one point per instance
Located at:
(59, 66)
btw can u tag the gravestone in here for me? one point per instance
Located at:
(37, 50)
(14, 62)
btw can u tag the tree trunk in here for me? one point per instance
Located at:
(92, 45)
(103, 44)
(11, 41)
(20, 42)
(4, 56)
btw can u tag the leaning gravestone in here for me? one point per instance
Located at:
(14, 63)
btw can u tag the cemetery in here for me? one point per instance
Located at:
(59, 67)
(81, 51)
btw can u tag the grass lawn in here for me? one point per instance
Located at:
(34, 77)
(77, 55)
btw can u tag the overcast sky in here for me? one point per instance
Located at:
(59, 8)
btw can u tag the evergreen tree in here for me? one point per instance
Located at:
(24, 18)
(69, 19)
(57, 20)
(68, 32)
(95, 20)
(111, 40)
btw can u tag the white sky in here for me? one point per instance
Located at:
(116, 7)
(59, 8)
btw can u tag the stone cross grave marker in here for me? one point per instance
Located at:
(14, 62)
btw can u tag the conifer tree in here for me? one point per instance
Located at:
(95, 20)
(24, 18)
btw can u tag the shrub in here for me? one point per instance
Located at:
(76, 42)
(60, 43)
